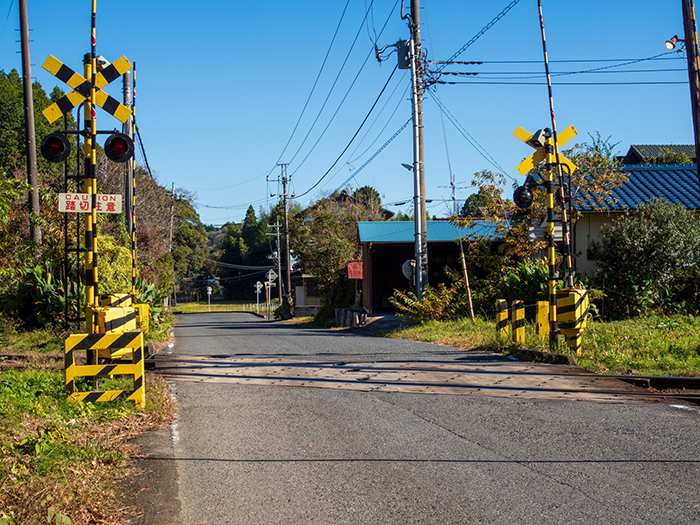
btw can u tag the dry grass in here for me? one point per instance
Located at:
(66, 459)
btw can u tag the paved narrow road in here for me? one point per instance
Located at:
(250, 454)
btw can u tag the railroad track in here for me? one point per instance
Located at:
(517, 379)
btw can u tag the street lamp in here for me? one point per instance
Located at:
(671, 44)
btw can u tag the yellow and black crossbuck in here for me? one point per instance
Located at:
(81, 89)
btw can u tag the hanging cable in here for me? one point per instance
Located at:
(355, 135)
(480, 33)
(478, 147)
(143, 151)
(341, 102)
(358, 170)
(323, 106)
(313, 88)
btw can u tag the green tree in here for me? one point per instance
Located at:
(189, 238)
(325, 239)
(646, 255)
(475, 201)
(369, 195)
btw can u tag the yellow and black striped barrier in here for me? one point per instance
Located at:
(502, 328)
(517, 321)
(572, 308)
(103, 346)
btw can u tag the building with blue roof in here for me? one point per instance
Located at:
(676, 183)
(387, 245)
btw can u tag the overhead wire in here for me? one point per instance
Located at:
(398, 105)
(481, 32)
(323, 106)
(637, 83)
(370, 54)
(354, 136)
(376, 153)
(318, 76)
(9, 11)
(143, 151)
(475, 144)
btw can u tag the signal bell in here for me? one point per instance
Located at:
(119, 147)
(55, 147)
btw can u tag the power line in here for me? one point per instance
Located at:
(358, 170)
(538, 75)
(355, 135)
(323, 106)
(641, 83)
(143, 150)
(385, 125)
(478, 147)
(339, 106)
(313, 88)
(479, 62)
(480, 33)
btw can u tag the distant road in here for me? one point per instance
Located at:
(250, 454)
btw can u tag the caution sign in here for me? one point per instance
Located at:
(82, 203)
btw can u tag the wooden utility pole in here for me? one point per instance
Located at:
(30, 138)
(690, 28)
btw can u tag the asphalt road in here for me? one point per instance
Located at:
(248, 454)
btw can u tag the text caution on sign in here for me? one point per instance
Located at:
(82, 203)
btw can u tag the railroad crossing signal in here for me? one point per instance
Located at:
(81, 89)
(55, 147)
(271, 275)
(539, 142)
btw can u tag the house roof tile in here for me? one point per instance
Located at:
(677, 183)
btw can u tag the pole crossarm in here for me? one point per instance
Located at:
(81, 89)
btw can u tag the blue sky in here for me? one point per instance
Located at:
(221, 87)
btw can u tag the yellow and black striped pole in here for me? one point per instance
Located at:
(88, 188)
(551, 160)
(517, 321)
(502, 318)
(92, 177)
(133, 190)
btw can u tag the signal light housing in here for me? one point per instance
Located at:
(119, 147)
(522, 197)
(55, 147)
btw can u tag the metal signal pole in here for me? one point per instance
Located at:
(30, 138)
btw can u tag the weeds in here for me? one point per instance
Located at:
(62, 460)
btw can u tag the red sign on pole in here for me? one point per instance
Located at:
(355, 270)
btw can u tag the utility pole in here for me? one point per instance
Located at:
(277, 228)
(418, 159)
(30, 138)
(286, 297)
(690, 28)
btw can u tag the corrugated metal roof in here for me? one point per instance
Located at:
(404, 231)
(677, 183)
